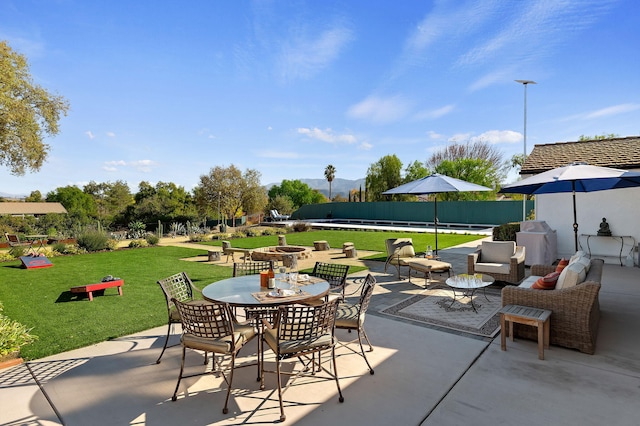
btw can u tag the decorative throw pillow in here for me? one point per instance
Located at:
(562, 264)
(548, 282)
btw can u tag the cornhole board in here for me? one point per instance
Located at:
(35, 262)
(98, 287)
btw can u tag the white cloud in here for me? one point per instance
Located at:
(365, 146)
(89, 134)
(498, 136)
(111, 134)
(380, 110)
(434, 113)
(140, 165)
(303, 57)
(327, 135)
(612, 110)
(435, 136)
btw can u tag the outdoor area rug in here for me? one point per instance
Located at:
(432, 307)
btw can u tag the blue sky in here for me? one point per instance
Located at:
(166, 90)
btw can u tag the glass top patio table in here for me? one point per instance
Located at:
(239, 291)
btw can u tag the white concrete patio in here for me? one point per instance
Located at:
(422, 377)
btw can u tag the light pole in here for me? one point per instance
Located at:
(525, 83)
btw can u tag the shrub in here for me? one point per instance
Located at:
(270, 231)
(112, 244)
(506, 232)
(13, 335)
(6, 256)
(136, 229)
(93, 241)
(17, 251)
(196, 238)
(301, 227)
(59, 247)
(152, 239)
(251, 232)
(138, 244)
(238, 234)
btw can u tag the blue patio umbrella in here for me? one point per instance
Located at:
(575, 177)
(434, 184)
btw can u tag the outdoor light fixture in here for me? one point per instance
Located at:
(525, 83)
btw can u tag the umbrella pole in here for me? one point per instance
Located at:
(575, 219)
(435, 219)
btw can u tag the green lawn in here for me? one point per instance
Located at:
(363, 240)
(40, 298)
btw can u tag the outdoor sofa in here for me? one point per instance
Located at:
(575, 310)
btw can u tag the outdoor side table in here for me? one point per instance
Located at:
(529, 316)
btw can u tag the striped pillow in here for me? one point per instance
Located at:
(562, 264)
(548, 282)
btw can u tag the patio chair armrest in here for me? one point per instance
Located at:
(518, 256)
(472, 259)
(542, 270)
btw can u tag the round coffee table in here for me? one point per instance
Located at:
(468, 284)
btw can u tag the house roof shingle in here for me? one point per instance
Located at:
(19, 208)
(620, 153)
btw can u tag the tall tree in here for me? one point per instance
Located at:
(80, 206)
(236, 192)
(166, 202)
(330, 174)
(27, 114)
(475, 170)
(300, 193)
(476, 150)
(112, 200)
(381, 176)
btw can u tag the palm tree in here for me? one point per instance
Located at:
(329, 174)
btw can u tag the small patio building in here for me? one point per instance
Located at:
(30, 209)
(621, 207)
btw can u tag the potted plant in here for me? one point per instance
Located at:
(13, 336)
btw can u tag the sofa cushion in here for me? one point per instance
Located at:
(548, 282)
(528, 282)
(562, 264)
(572, 275)
(492, 268)
(584, 261)
(497, 251)
(576, 255)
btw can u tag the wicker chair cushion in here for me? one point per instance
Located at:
(548, 282)
(294, 346)
(497, 252)
(492, 268)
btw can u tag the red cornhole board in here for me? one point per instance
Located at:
(90, 288)
(35, 262)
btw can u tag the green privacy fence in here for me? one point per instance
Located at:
(449, 212)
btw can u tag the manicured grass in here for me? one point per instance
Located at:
(363, 240)
(40, 298)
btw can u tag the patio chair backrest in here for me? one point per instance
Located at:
(400, 247)
(178, 286)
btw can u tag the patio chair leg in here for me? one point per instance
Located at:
(364, 334)
(166, 341)
(175, 393)
(283, 417)
(225, 410)
(335, 373)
